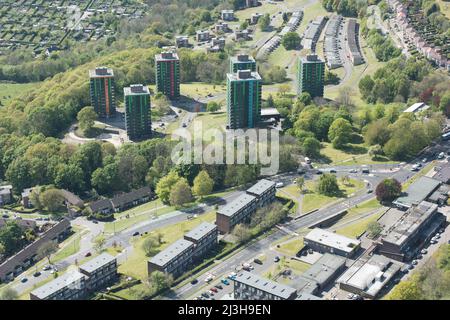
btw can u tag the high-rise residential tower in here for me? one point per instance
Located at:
(168, 74)
(102, 91)
(311, 74)
(138, 121)
(244, 90)
(242, 62)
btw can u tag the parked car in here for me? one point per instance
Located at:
(218, 286)
(353, 171)
(205, 295)
(257, 261)
(333, 170)
(135, 234)
(5, 216)
(279, 185)
(195, 281)
(276, 259)
(414, 262)
(424, 251)
(225, 282)
(46, 268)
(213, 289)
(441, 155)
(88, 254)
(36, 274)
(24, 279)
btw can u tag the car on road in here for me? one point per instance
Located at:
(94, 221)
(195, 281)
(353, 171)
(414, 262)
(184, 125)
(36, 274)
(319, 172)
(276, 259)
(279, 185)
(332, 170)
(88, 254)
(369, 191)
(46, 268)
(225, 282)
(424, 160)
(365, 170)
(424, 251)
(441, 155)
(24, 279)
(257, 261)
(136, 234)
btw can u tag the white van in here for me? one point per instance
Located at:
(307, 160)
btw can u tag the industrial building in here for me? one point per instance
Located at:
(325, 241)
(244, 90)
(325, 270)
(405, 236)
(311, 76)
(168, 74)
(249, 286)
(102, 91)
(138, 120)
(369, 275)
(417, 192)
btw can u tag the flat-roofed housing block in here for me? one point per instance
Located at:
(249, 286)
(175, 259)
(264, 190)
(204, 237)
(237, 211)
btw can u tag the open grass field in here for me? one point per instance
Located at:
(356, 229)
(313, 200)
(291, 247)
(136, 264)
(216, 120)
(445, 7)
(356, 155)
(363, 208)
(9, 91)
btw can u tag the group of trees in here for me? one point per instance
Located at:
(348, 8)
(430, 282)
(382, 46)
(291, 40)
(13, 238)
(328, 185)
(263, 219)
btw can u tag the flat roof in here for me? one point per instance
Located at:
(238, 76)
(236, 205)
(312, 58)
(200, 231)
(443, 174)
(324, 268)
(261, 186)
(67, 279)
(266, 285)
(136, 89)
(101, 72)
(417, 192)
(167, 56)
(332, 240)
(97, 262)
(242, 58)
(370, 275)
(411, 220)
(307, 296)
(419, 106)
(171, 252)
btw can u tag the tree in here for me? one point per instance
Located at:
(328, 185)
(305, 98)
(11, 238)
(340, 133)
(374, 228)
(165, 185)
(212, 106)
(406, 290)
(181, 193)
(52, 200)
(388, 190)
(160, 281)
(46, 250)
(242, 233)
(311, 147)
(150, 244)
(264, 22)
(99, 244)
(300, 183)
(203, 184)
(86, 119)
(9, 294)
(291, 41)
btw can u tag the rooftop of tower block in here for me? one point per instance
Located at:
(167, 56)
(101, 72)
(136, 89)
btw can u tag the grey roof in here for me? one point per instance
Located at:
(305, 285)
(411, 220)
(67, 279)
(325, 268)
(311, 58)
(238, 76)
(136, 89)
(417, 192)
(370, 275)
(266, 285)
(443, 174)
(97, 262)
(270, 112)
(171, 252)
(5, 189)
(26, 192)
(262, 186)
(101, 72)
(242, 58)
(235, 206)
(131, 196)
(307, 296)
(200, 231)
(332, 240)
(167, 56)
(100, 205)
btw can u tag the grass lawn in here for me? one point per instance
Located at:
(136, 215)
(216, 120)
(69, 247)
(9, 91)
(365, 207)
(291, 248)
(356, 229)
(291, 191)
(297, 267)
(136, 263)
(201, 90)
(355, 155)
(312, 200)
(445, 7)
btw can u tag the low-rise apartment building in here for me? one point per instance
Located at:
(101, 271)
(237, 211)
(204, 237)
(264, 190)
(175, 259)
(325, 241)
(250, 286)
